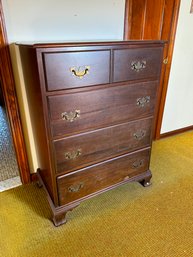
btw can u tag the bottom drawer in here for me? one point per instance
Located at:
(81, 183)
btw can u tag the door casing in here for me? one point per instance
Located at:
(11, 103)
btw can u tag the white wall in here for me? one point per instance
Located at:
(56, 20)
(178, 111)
(42, 20)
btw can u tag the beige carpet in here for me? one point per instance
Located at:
(130, 221)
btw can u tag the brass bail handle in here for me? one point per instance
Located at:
(73, 155)
(139, 134)
(80, 71)
(71, 116)
(138, 164)
(76, 188)
(143, 101)
(138, 65)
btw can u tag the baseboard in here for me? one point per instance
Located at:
(34, 177)
(175, 132)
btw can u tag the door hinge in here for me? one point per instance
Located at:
(165, 60)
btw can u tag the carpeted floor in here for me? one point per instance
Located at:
(130, 221)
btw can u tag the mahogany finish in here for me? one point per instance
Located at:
(102, 107)
(101, 144)
(125, 57)
(37, 112)
(58, 69)
(92, 108)
(78, 184)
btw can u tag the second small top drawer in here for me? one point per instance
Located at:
(140, 63)
(65, 70)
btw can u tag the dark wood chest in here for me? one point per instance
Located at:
(92, 108)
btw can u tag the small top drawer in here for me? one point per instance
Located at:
(140, 63)
(65, 70)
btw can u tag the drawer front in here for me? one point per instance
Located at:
(132, 64)
(76, 69)
(103, 175)
(85, 149)
(83, 111)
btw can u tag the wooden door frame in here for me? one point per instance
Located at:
(164, 87)
(11, 103)
(169, 54)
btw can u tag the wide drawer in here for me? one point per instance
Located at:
(83, 111)
(82, 150)
(140, 63)
(65, 70)
(89, 180)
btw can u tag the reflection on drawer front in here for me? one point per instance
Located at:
(65, 70)
(131, 64)
(97, 177)
(85, 149)
(84, 111)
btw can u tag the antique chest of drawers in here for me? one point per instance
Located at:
(92, 108)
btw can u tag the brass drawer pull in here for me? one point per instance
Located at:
(71, 116)
(80, 72)
(139, 134)
(75, 188)
(142, 102)
(138, 164)
(73, 155)
(137, 65)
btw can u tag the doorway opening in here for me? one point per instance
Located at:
(9, 171)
